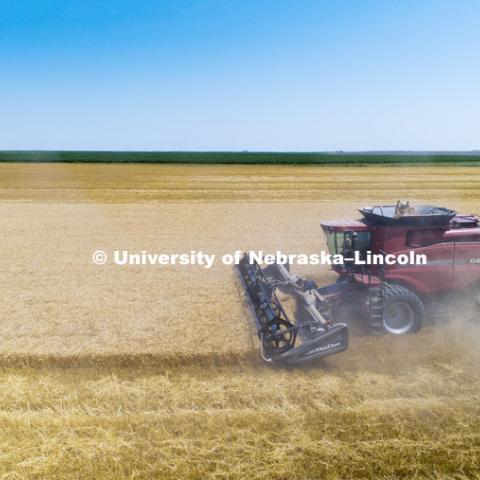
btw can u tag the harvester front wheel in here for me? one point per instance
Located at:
(403, 310)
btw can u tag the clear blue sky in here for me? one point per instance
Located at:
(240, 74)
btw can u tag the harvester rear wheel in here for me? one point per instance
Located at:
(403, 311)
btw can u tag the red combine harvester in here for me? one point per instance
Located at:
(392, 298)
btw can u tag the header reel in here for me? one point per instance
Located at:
(310, 337)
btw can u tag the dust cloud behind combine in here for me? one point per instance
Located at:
(159, 365)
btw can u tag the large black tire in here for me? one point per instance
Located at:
(403, 310)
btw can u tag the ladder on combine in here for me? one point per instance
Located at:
(376, 296)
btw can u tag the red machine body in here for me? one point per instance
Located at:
(451, 246)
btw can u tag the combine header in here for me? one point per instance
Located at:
(391, 298)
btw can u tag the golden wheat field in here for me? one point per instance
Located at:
(141, 372)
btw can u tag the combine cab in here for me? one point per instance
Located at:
(386, 298)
